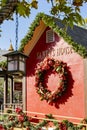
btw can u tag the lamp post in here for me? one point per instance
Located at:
(16, 62)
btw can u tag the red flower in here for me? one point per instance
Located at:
(36, 84)
(18, 110)
(45, 67)
(27, 129)
(37, 78)
(21, 118)
(51, 62)
(1, 127)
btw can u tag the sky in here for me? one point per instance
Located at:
(8, 27)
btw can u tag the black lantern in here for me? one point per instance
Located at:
(16, 62)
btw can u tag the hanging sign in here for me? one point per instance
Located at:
(18, 86)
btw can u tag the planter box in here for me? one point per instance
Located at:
(49, 128)
(20, 129)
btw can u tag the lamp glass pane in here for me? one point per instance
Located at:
(21, 58)
(12, 65)
(21, 66)
(10, 58)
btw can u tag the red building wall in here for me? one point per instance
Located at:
(72, 102)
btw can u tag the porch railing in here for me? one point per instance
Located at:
(7, 106)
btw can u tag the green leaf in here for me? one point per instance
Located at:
(58, 68)
(23, 9)
(34, 4)
(77, 9)
(48, 1)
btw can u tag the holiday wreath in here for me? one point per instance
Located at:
(49, 64)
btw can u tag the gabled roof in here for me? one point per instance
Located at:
(76, 37)
(78, 34)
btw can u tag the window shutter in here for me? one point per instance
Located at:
(49, 36)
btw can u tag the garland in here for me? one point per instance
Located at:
(49, 64)
(21, 120)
